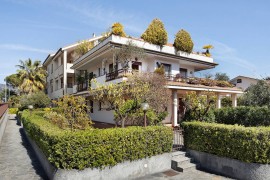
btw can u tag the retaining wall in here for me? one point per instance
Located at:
(231, 167)
(3, 119)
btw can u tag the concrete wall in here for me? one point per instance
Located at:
(125, 170)
(101, 115)
(231, 167)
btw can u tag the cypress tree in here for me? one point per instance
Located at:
(183, 41)
(155, 33)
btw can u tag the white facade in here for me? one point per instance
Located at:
(61, 78)
(100, 63)
(243, 82)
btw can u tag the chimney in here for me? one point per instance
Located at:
(94, 35)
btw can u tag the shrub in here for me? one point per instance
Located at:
(246, 144)
(96, 148)
(223, 84)
(243, 115)
(83, 47)
(160, 70)
(156, 33)
(183, 41)
(71, 113)
(13, 110)
(38, 100)
(208, 82)
(118, 29)
(207, 48)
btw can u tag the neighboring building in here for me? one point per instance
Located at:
(61, 77)
(100, 63)
(243, 82)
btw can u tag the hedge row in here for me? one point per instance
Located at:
(243, 115)
(12, 110)
(95, 148)
(248, 144)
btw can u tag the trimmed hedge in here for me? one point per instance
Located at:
(95, 148)
(13, 110)
(248, 144)
(243, 115)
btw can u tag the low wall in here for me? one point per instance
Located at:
(231, 167)
(3, 123)
(125, 170)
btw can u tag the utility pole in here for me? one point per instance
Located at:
(6, 92)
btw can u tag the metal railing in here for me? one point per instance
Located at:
(117, 74)
(178, 139)
(83, 86)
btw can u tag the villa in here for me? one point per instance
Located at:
(60, 79)
(100, 63)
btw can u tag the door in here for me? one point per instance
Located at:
(181, 109)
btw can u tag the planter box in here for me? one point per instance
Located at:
(231, 167)
(125, 170)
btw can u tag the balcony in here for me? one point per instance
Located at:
(83, 86)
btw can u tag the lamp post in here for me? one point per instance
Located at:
(30, 107)
(145, 107)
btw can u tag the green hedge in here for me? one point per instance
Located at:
(13, 110)
(243, 115)
(96, 148)
(248, 144)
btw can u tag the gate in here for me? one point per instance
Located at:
(178, 139)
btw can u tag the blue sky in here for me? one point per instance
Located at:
(239, 30)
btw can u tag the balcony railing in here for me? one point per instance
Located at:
(83, 86)
(197, 81)
(117, 74)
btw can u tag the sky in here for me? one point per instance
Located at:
(238, 30)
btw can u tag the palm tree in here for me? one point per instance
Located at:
(32, 76)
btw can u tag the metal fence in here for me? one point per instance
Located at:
(178, 139)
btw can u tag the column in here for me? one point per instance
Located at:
(218, 101)
(175, 108)
(234, 100)
(65, 72)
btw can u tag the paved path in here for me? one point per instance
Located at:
(17, 159)
(188, 175)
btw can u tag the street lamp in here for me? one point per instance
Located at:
(145, 107)
(30, 107)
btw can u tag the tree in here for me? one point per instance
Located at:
(37, 99)
(118, 29)
(155, 33)
(71, 112)
(183, 41)
(32, 76)
(126, 97)
(198, 107)
(208, 47)
(128, 53)
(222, 77)
(257, 94)
(13, 80)
(83, 47)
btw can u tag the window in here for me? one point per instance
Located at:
(52, 69)
(183, 73)
(99, 106)
(51, 85)
(239, 80)
(136, 65)
(56, 85)
(62, 82)
(99, 72)
(91, 106)
(110, 68)
(167, 68)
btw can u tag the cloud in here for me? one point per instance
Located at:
(19, 47)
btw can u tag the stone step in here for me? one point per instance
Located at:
(187, 167)
(179, 153)
(181, 160)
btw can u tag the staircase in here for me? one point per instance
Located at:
(182, 162)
